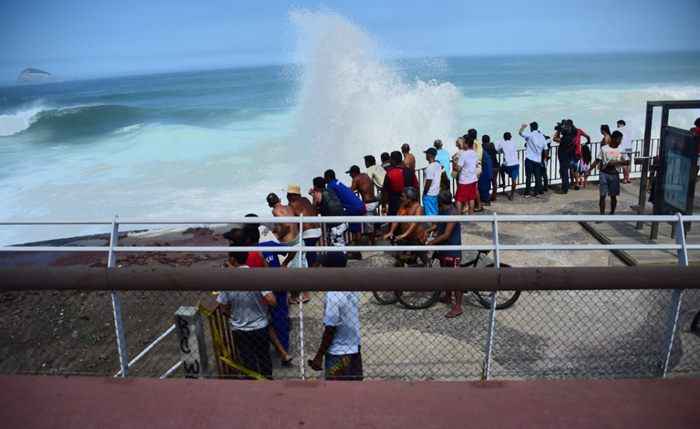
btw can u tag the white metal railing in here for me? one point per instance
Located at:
(112, 249)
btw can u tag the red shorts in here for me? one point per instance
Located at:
(450, 261)
(466, 193)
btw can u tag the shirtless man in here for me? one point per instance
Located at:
(362, 183)
(410, 233)
(408, 159)
(311, 233)
(287, 233)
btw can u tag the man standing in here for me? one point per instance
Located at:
(375, 172)
(247, 313)
(311, 233)
(565, 135)
(466, 163)
(433, 174)
(443, 158)
(626, 147)
(610, 158)
(340, 343)
(386, 160)
(535, 143)
(408, 159)
(362, 184)
(352, 205)
(397, 178)
(288, 233)
(512, 164)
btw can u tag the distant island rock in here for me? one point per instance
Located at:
(33, 75)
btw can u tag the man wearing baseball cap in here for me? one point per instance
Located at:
(433, 174)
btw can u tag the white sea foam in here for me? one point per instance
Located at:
(352, 104)
(14, 123)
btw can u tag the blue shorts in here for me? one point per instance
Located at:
(280, 319)
(430, 205)
(356, 227)
(311, 257)
(513, 171)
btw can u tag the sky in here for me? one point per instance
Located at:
(82, 39)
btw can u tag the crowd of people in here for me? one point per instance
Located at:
(259, 319)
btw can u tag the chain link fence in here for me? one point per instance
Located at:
(545, 334)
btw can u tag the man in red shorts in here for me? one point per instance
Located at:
(466, 163)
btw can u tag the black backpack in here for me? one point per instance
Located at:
(331, 205)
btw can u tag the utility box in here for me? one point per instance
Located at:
(193, 350)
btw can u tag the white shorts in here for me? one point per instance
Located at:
(371, 207)
(311, 233)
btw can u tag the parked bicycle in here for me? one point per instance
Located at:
(421, 300)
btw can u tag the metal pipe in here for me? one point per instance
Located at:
(117, 302)
(172, 369)
(676, 297)
(350, 279)
(398, 248)
(148, 348)
(300, 298)
(376, 219)
(492, 311)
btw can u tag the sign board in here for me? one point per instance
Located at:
(675, 180)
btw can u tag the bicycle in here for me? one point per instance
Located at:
(423, 300)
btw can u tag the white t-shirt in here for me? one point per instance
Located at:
(534, 145)
(608, 154)
(467, 162)
(510, 151)
(342, 311)
(626, 144)
(433, 172)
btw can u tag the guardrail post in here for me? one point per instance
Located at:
(117, 302)
(674, 310)
(193, 349)
(486, 375)
(302, 360)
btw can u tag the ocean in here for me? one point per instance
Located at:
(213, 143)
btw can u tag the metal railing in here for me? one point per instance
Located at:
(681, 247)
(552, 165)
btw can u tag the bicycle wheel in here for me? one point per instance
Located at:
(417, 300)
(385, 297)
(504, 298)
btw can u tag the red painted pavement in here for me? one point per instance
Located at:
(85, 402)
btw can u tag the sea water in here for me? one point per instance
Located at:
(204, 144)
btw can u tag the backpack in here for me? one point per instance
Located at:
(331, 205)
(397, 178)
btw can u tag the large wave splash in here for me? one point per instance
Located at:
(351, 104)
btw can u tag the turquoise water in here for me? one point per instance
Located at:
(214, 143)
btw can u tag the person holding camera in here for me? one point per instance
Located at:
(565, 135)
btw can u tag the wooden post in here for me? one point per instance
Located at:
(193, 350)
